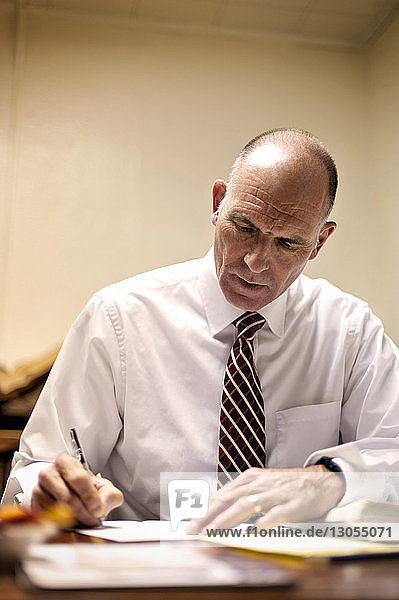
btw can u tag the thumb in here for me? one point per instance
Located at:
(110, 496)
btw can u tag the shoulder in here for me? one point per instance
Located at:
(322, 300)
(162, 283)
(321, 290)
(155, 292)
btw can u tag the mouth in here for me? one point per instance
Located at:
(250, 284)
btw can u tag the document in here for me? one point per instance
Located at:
(138, 531)
(307, 547)
(83, 566)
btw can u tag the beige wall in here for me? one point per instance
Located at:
(384, 102)
(7, 37)
(118, 135)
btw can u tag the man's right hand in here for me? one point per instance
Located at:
(67, 481)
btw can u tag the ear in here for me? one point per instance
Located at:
(327, 230)
(218, 193)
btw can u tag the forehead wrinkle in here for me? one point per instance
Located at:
(295, 174)
(276, 225)
(262, 194)
(299, 205)
(280, 214)
(292, 232)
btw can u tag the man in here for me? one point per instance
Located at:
(142, 370)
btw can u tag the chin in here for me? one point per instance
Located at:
(252, 306)
(243, 302)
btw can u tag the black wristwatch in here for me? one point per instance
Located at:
(329, 464)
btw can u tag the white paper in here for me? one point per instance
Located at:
(78, 566)
(307, 546)
(139, 531)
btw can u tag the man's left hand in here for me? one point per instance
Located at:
(277, 495)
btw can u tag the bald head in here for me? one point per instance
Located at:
(295, 155)
(271, 218)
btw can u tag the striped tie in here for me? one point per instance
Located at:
(242, 417)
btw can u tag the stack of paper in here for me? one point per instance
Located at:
(78, 566)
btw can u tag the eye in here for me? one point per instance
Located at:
(243, 226)
(288, 244)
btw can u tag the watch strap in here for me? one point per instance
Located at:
(329, 463)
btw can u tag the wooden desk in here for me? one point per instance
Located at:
(9, 440)
(365, 579)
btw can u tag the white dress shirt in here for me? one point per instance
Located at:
(141, 371)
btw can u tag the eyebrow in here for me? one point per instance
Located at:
(297, 241)
(235, 215)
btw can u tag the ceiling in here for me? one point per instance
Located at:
(343, 23)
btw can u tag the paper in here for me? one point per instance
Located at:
(78, 566)
(305, 547)
(139, 531)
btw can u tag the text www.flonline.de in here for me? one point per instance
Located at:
(341, 531)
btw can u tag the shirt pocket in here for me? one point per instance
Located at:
(303, 429)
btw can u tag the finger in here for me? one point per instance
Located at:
(51, 482)
(40, 498)
(111, 496)
(225, 507)
(81, 512)
(67, 481)
(243, 485)
(216, 506)
(233, 501)
(279, 514)
(81, 483)
(244, 508)
(235, 514)
(52, 488)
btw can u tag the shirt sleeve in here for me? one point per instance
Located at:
(84, 390)
(369, 415)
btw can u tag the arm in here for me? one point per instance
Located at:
(369, 459)
(369, 455)
(85, 389)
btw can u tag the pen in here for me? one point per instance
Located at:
(79, 454)
(78, 450)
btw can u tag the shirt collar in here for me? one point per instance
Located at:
(221, 313)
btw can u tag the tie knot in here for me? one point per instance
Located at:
(248, 324)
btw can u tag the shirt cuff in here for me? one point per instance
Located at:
(21, 483)
(359, 484)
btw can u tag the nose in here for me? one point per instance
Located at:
(257, 258)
